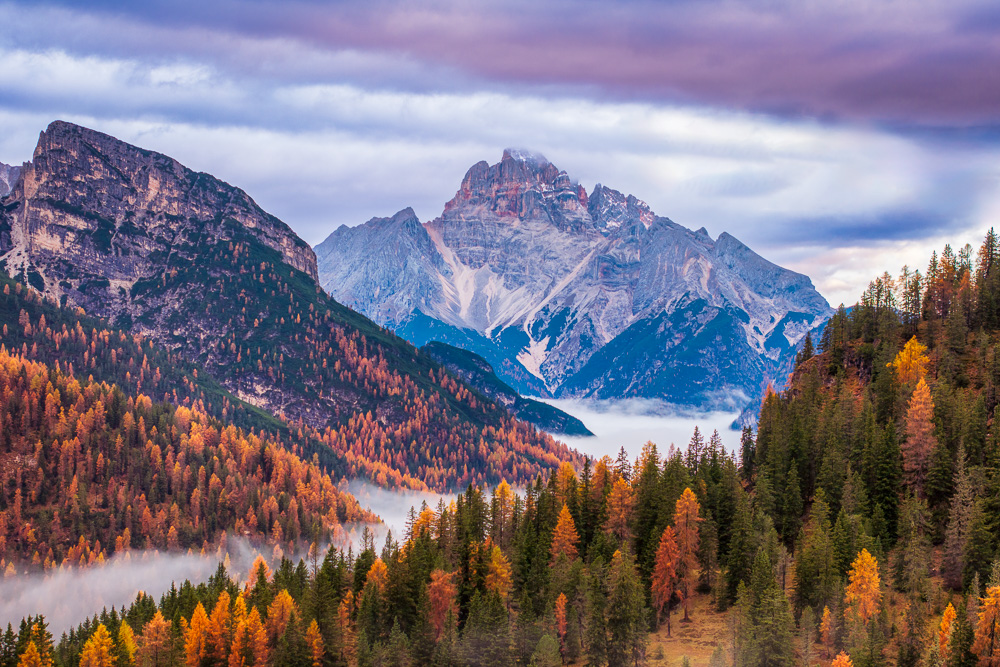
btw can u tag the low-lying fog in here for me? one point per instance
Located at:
(631, 423)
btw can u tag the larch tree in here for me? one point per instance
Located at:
(154, 645)
(442, 593)
(686, 522)
(911, 362)
(560, 612)
(498, 578)
(620, 505)
(279, 615)
(920, 440)
(32, 658)
(98, 651)
(826, 630)
(126, 645)
(842, 660)
(665, 573)
(220, 630)
(944, 630)
(564, 538)
(196, 638)
(986, 644)
(863, 594)
(315, 641)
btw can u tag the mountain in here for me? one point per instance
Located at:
(194, 265)
(570, 294)
(477, 372)
(8, 176)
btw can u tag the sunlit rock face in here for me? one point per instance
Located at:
(567, 293)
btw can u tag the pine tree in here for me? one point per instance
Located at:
(595, 637)
(959, 524)
(626, 613)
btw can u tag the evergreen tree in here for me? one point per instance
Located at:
(626, 613)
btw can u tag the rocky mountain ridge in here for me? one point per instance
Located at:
(567, 293)
(196, 266)
(8, 176)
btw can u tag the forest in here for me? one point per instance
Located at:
(859, 525)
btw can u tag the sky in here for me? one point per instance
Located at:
(839, 138)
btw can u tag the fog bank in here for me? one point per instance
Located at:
(630, 423)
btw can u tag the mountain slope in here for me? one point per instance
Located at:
(571, 294)
(8, 176)
(193, 264)
(478, 373)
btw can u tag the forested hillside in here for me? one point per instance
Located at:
(89, 471)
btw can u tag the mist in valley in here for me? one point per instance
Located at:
(630, 423)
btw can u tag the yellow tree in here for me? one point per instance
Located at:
(842, 660)
(920, 441)
(911, 362)
(944, 631)
(378, 574)
(32, 658)
(126, 640)
(564, 538)
(98, 650)
(986, 644)
(346, 627)
(196, 638)
(686, 522)
(498, 573)
(315, 642)
(257, 637)
(826, 630)
(220, 630)
(665, 574)
(155, 642)
(863, 594)
(620, 504)
(279, 614)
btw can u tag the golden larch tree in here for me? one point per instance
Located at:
(864, 593)
(498, 573)
(196, 638)
(126, 640)
(155, 642)
(220, 630)
(442, 591)
(279, 615)
(665, 573)
(564, 538)
(686, 522)
(944, 630)
(378, 574)
(826, 630)
(986, 644)
(920, 441)
(561, 622)
(911, 362)
(98, 651)
(315, 642)
(621, 501)
(32, 658)
(842, 660)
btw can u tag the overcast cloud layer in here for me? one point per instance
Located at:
(839, 138)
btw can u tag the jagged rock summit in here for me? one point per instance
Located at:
(567, 293)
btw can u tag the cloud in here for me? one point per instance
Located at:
(330, 117)
(931, 63)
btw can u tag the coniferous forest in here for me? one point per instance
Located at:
(859, 524)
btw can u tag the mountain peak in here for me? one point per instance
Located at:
(524, 155)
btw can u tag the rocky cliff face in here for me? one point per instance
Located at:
(8, 176)
(91, 208)
(571, 294)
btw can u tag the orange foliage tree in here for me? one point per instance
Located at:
(686, 522)
(564, 538)
(986, 644)
(863, 594)
(665, 573)
(442, 592)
